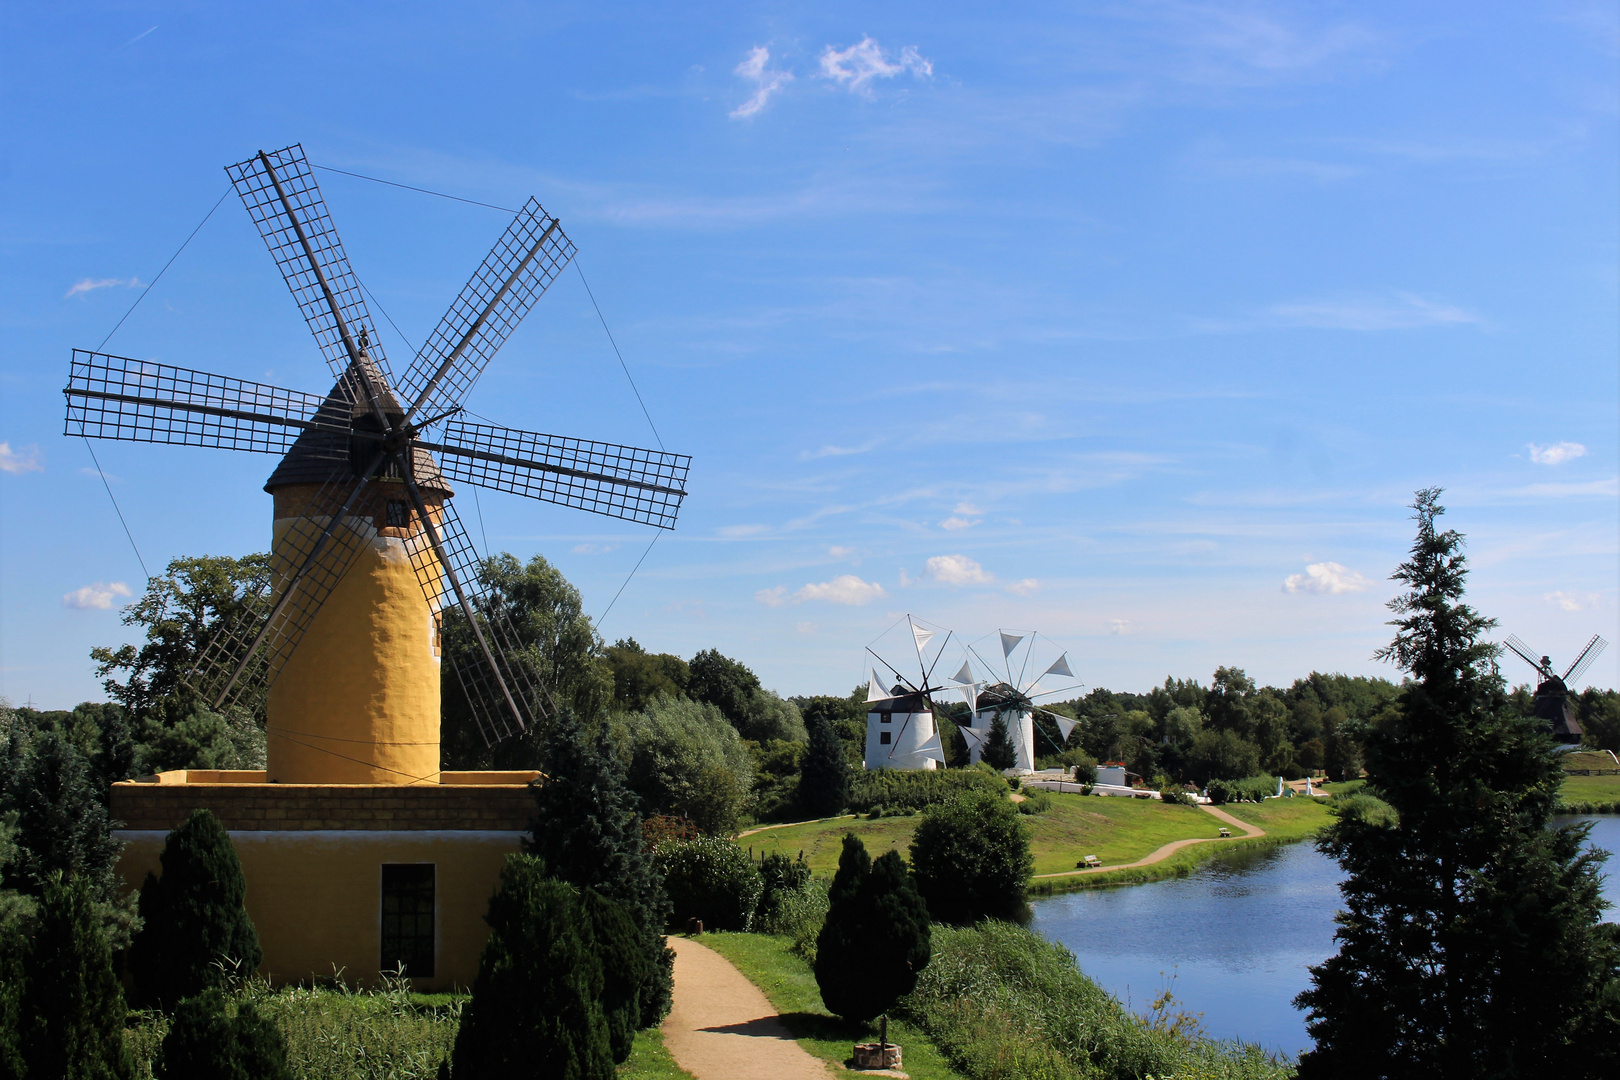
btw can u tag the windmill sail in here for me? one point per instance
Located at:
(285, 203)
(1060, 666)
(923, 637)
(517, 271)
(965, 675)
(1009, 642)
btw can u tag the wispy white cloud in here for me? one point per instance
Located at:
(137, 37)
(741, 532)
(772, 597)
(843, 589)
(594, 549)
(1025, 587)
(805, 627)
(855, 67)
(837, 451)
(1557, 453)
(97, 597)
(840, 552)
(1404, 311)
(1121, 627)
(1569, 601)
(90, 285)
(957, 570)
(965, 516)
(24, 459)
(767, 82)
(1327, 578)
(1242, 45)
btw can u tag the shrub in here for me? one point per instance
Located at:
(686, 760)
(625, 970)
(782, 879)
(1250, 789)
(197, 928)
(536, 1007)
(875, 938)
(971, 859)
(1037, 801)
(710, 879)
(206, 1043)
(917, 789)
(824, 776)
(1174, 795)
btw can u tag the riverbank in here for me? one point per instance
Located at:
(1117, 831)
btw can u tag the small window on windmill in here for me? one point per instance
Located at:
(397, 515)
(883, 738)
(438, 633)
(884, 717)
(407, 919)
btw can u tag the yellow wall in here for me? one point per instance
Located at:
(316, 896)
(358, 700)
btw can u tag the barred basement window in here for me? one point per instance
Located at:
(398, 514)
(883, 738)
(407, 918)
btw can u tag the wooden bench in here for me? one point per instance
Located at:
(1089, 860)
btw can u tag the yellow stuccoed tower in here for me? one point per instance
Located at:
(358, 700)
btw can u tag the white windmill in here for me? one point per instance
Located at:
(1012, 699)
(900, 732)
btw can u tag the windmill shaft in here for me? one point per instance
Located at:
(478, 324)
(541, 466)
(461, 595)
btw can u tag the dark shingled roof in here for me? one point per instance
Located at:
(319, 456)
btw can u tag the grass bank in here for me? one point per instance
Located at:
(769, 963)
(1591, 789)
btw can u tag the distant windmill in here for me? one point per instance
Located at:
(1552, 692)
(1012, 699)
(900, 730)
(362, 495)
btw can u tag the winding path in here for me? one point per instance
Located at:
(1169, 849)
(721, 1027)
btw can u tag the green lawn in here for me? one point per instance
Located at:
(791, 987)
(1283, 819)
(650, 1061)
(1113, 829)
(1591, 788)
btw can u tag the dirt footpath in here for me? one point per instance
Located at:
(721, 1027)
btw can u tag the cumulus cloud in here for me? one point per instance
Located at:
(965, 517)
(843, 589)
(21, 460)
(97, 597)
(856, 66)
(90, 285)
(957, 570)
(1557, 453)
(1327, 578)
(767, 82)
(1025, 587)
(1571, 601)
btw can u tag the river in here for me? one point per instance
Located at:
(1233, 940)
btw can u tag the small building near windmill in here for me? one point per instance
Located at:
(900, 733)
(359, 853)
(1001, 700)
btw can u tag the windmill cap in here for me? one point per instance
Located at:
(319, 456)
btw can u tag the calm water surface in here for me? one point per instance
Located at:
(1232, 941)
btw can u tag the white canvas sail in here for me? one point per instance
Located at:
(965, 675)
(923, 636)
(874, 689)
(1009, 642)
(1064, 725)
(931, 748)
(1060, 666)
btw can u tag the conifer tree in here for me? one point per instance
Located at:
(998, 748)
(536, 1010)
(587, 832)
(876, 937)
(71, 1021)
(1470, 943)
(824, 775)
(197, 931)
(626, 968)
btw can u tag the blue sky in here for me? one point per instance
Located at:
(1134, 324)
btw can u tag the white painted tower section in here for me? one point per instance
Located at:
(896, 729)
(1020, 730)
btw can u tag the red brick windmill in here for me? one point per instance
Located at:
(367, 548)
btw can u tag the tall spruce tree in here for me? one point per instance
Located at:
(197, 932)
(536, 1011)
(1470, 943)
(876, 937)
(998, 748)
(824, 775)
(587, 831)
(72, 1010)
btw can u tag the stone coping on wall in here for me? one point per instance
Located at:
(242, 800)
